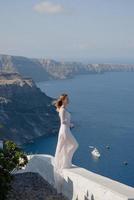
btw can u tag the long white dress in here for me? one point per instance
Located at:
(66, 146)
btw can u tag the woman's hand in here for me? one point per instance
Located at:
(71, 125)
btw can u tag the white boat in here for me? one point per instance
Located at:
(95, 153)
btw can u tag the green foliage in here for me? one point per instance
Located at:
(1, 125)
(11, 157)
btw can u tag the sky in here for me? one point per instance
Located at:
(96, 31)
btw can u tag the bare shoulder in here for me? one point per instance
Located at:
(62, 109)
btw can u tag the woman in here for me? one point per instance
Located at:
(67, 144)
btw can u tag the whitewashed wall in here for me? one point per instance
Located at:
(80, 183)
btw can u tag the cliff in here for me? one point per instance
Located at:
(25, 111)
(25, 66)
(46, 69)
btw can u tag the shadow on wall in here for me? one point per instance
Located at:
(44, 166)
(70, 183)
(68, 189)
(66, 185)
(87, 197)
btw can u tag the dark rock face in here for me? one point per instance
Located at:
(31, 186)
(25, 111)
(45, 69)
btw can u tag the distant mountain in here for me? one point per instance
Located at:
(24, 66)
(45, 69)
(25, 111)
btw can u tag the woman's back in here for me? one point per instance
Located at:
(65, 116)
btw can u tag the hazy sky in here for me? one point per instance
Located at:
(93, 30)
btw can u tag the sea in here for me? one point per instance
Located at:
(102, 110)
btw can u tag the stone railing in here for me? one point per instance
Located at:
(79, 183)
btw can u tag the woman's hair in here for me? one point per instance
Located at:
(59, 101)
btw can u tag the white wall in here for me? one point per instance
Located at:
(80, 183)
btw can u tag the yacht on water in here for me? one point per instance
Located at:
(95, 152)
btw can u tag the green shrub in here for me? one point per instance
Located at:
(11, 157)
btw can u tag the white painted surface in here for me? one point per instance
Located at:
(80, 183)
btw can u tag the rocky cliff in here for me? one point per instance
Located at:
(45, 69)
(25, 111)
(25, 66)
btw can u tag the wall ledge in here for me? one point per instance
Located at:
(79, 183)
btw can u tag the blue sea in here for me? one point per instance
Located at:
(102, 110)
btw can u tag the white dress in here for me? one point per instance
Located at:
(66, 146)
